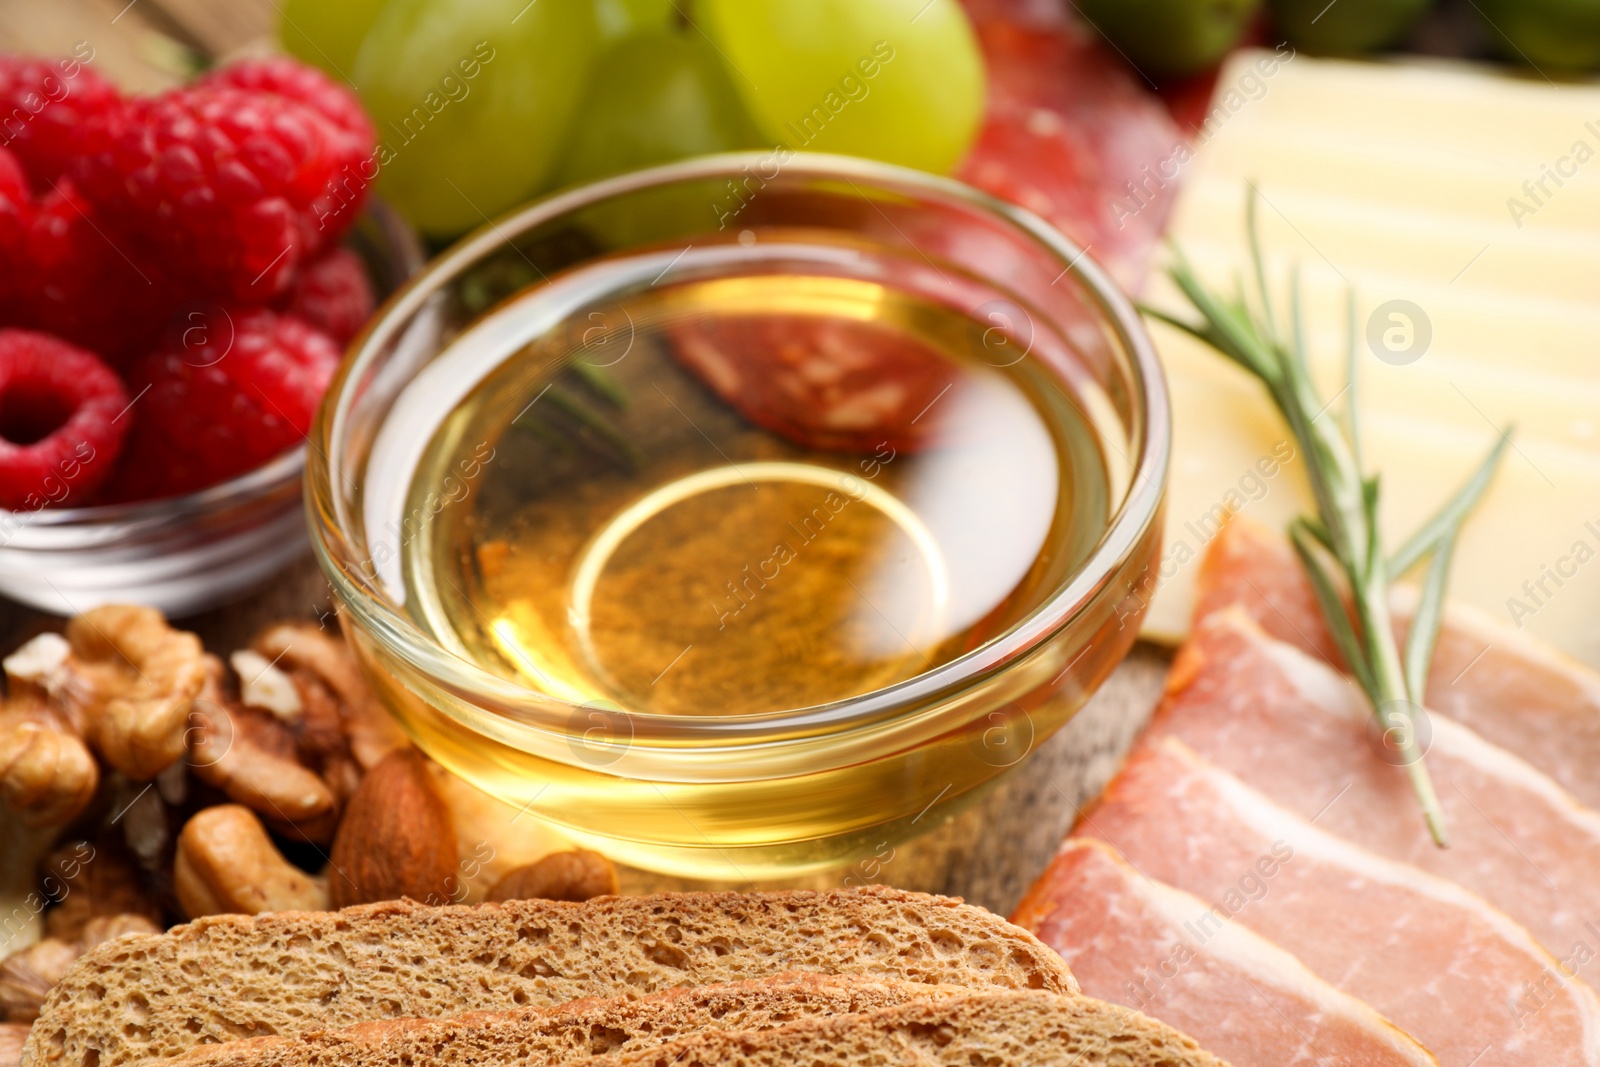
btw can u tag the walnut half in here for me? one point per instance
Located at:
(27, 976)
(120, 683)
(294, 743)
(130, 680)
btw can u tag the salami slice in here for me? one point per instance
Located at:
(833, 385)
(1073, 134)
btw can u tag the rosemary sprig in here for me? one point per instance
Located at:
(1339, 546)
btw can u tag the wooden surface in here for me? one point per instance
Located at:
(989, 853)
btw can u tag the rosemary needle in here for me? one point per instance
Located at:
(1339, 546)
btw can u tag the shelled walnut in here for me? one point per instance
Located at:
(293, 742)
(26, 976)
(12, 1036)
(47, 773)
(183, 784)
(118, 685)
(91, 880)
(131, 677)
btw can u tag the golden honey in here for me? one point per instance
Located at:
(733, 555)
(628, 539)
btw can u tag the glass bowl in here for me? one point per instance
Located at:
(188, 553)
(764, 794)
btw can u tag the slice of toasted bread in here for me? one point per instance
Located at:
(230, 977)
(534, 1036)
(1007, 1028)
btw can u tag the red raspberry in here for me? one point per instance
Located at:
(60, 419)
(13, 182)
(231, 189)
(15, 207)
(83, 283)
(334, 295)
(45, 107)
(282, 76)
(221, 398)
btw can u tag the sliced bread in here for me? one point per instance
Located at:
(1008, 1028)
(535, 1036)
(230, 977)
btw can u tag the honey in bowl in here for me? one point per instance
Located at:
(744, 484)
(738, 553)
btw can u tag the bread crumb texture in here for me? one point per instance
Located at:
(991, 1029)
(537, 1036)
(228, 978)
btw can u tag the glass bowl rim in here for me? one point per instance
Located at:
(1137, 511)
(280, 472)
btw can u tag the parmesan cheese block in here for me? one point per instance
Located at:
(1462, 206)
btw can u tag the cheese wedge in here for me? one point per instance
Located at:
(1468, 194)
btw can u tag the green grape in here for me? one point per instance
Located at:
(325, 34)
(654, 97)
(896, 80)
(1173, 37)
(618, 18)
(1348, 28)
(472, 100)
(1561, 36)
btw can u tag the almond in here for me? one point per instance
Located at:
(396, 839)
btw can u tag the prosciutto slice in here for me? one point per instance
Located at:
(1298, 731)
(1513, 691)
(1458, 975)
(1139, 943)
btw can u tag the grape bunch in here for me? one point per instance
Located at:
(480, 104)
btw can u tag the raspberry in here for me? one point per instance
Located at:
(15, 208)
(231, 189)
(45, 108)
(222, 398)
(282, 76)
(60, 421)
(86, 286)
(13, 182)
(334, 295)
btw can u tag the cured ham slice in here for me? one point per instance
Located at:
(1072, 134)
(1134, 942)
(1511, 690)
(1295, 729)
(1459, 976)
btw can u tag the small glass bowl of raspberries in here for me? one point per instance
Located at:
(179, 277)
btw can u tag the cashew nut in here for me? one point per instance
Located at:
(226, 863)
(576, 876)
